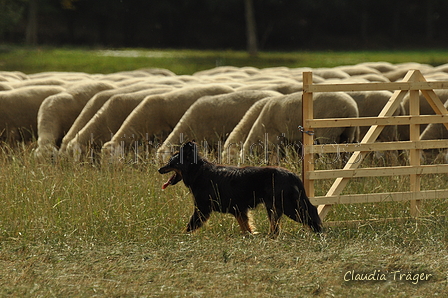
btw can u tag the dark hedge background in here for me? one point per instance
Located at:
(220, 24)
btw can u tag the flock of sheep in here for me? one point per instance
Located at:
(71, 113)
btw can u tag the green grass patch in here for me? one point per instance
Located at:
(33, 60)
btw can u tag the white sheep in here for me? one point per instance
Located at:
(226, 70)
(18, 111)
(100, 128)
(13, 76)
(212, 118)
(166, 81)
(61, 75)
(381, 66)
(283, 88)
(435, 131)
(357, 70)
(425, 109)
(370, 104)
(98, 101)
(236, 138)
(39, 82)
(58, 112)
(279, 121)
(403, 68)
(330, 73)
(157, 115)
(4, 86)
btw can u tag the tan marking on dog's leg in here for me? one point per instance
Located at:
(245, 222)
(251, 222)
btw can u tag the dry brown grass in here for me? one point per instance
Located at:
(83, 230)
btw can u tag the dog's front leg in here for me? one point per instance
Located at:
(198, 219)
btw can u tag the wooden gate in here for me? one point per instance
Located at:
(413, 83)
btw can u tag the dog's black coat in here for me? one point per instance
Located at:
(236, 190)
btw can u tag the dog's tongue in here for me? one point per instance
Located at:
(168, 183)
(165, 185)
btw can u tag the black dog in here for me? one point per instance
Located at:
(235, 190)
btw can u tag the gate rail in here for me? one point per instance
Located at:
(413, 82)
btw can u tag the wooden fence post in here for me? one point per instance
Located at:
(414, 154)
(307, 138)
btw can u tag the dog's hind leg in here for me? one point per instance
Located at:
(245, 221)
(274, 220)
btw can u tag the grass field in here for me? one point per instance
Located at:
(33, 60)
(85, 230)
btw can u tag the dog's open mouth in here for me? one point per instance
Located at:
(173, 179)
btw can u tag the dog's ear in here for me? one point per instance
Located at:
(190, 151)
(190, 144)
(189, 147)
